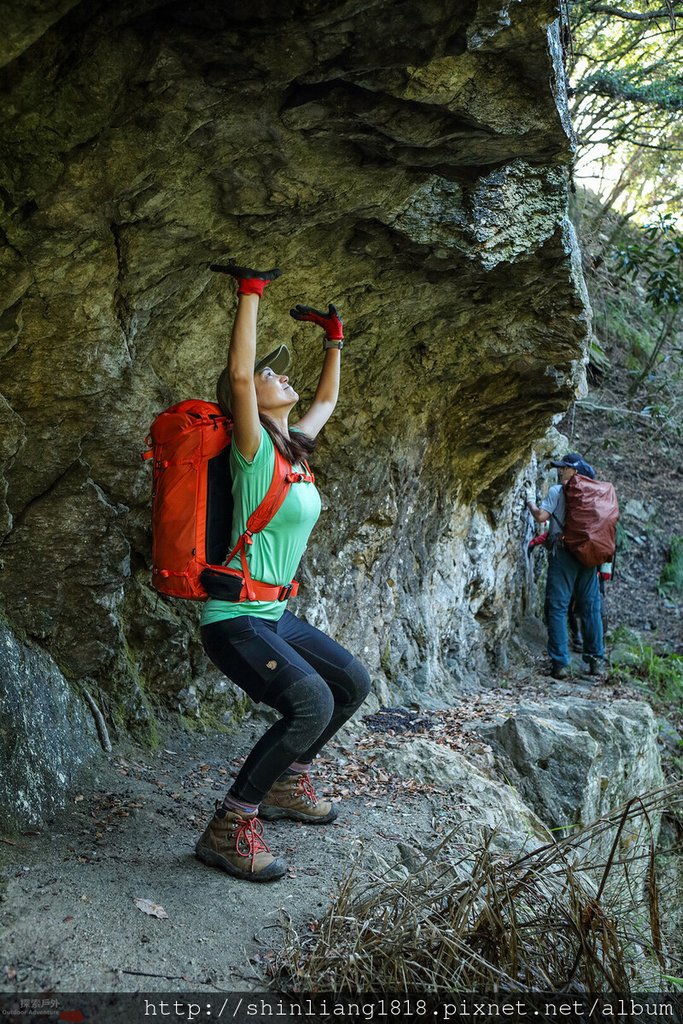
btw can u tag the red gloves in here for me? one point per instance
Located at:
(330, 322)
(249, 282)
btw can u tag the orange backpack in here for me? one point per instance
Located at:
(192, 508)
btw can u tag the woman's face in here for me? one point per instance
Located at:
(565, 473)
(273, 391)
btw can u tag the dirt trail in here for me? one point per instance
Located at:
(67, 918)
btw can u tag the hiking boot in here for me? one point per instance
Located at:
(294, 797)
(558, 671)
(235, 843)
(597, 667)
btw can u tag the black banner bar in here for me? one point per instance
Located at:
(321, 1008)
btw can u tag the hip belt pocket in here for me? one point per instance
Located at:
(221, 585)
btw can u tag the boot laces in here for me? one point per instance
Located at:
(305, 787)
(249, 839)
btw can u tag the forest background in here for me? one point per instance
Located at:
(625, 72)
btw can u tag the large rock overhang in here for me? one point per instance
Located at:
(408, 162)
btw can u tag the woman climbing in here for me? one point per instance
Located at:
(277, 658)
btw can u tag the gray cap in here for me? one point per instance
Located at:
(277, 360)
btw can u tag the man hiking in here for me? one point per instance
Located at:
(568, 577)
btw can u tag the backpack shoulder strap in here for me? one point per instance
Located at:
(282, 480)
(274, 496)
(553, 516)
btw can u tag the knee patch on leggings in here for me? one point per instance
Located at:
(307, 705)
(358, 681)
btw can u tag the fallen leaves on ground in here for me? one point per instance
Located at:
(355, 773)
(148, 907)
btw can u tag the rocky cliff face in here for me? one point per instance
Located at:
(408, 162)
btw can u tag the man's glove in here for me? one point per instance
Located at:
(528, 495)
(330, 322)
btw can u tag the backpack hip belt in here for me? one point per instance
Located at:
(250, 590)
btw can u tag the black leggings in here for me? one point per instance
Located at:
(313, 682)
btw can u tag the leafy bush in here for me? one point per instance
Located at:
(660, 675)
(654, 262)
(657, 259)
(671, 580)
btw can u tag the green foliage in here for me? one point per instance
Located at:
(659, 675)
(654, 261)
(631, 86)
(625, 66)
(624, 321)
(671, 580)
(635, 281)
(657, 259)
(623, 543)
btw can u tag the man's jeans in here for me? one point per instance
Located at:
(567, 576)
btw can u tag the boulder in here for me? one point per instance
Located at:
(46, 734)
(573, 760)
(472, 800)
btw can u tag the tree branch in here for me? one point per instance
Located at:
(617, 12)
(592, 407)
(649, 145)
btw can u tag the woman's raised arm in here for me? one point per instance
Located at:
(327, 391)
(241, 359)
(242, 354)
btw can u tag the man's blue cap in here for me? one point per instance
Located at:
(574, 461)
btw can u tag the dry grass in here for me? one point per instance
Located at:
(559, 917)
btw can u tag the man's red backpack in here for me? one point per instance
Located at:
(590, 528)
(192, 508)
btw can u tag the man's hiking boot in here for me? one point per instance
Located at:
(294, 797)
(597, 667)
(235, 843)
(558, 671)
